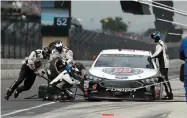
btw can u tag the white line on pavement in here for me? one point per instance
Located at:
(27, 109)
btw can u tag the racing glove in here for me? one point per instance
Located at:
(149, 58)
(68, 68)
(40, 72)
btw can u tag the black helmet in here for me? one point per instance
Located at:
(79, 65)
(156, 36)
(46, 52)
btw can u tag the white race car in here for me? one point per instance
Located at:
(123, 74)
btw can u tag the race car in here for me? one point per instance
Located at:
(123, 74)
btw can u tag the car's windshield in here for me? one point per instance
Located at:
(123, 60)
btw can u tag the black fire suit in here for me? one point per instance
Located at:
(27, 73)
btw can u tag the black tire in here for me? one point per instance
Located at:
(44, 90)
(181, 76)
(54, 69)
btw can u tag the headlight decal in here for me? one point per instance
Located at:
(150, 80)
(94, 78)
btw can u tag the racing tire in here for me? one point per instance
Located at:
(42, 90)
(181, 76)
(54, 70)
(45, 90)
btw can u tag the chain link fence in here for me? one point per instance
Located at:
(87, 44)
(19, 37)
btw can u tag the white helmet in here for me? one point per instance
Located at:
(59, 46)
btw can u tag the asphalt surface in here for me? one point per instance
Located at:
(36, 108)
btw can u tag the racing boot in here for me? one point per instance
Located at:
(16, 94)
(8, 94)
(11, 90)
(168, 97)
(68, 95)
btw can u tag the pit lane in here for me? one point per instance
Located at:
(36, 107)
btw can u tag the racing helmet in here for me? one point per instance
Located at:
(156, 36)
(59, 46)
(46, 52)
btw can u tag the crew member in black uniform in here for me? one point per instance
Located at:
(36, 60)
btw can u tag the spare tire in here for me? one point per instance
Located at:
(181, 76)
(44, 90)
(56, 66)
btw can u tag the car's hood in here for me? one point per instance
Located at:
(122, 73)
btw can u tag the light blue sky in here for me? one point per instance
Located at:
(91, 12)
(48, 15)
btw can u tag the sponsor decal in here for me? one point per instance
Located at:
(119, 89)
(122, 71)
(121, 77)
(94, 86)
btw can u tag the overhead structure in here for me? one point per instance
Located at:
(164, 5)
(162, 10)
(175, 23)
(134, 7)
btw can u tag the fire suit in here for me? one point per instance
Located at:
(29, 69)
(163, 59)
(183, 56)
(66, 55)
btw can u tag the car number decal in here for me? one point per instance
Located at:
(122, 71)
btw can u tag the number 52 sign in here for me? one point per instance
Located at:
(61, 22)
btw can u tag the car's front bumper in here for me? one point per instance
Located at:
(118, 90)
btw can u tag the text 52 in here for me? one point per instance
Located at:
(61, 21)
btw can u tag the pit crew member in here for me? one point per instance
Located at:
(64, 54)
(30, 68)
(163, 59)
